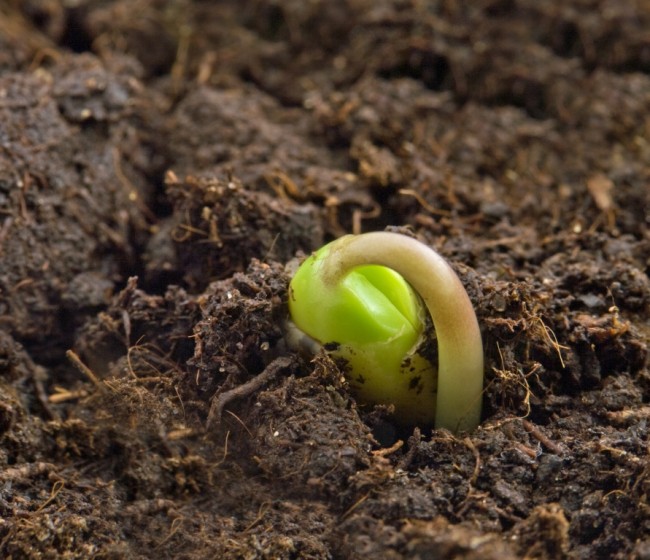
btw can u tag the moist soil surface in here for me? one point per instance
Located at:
(163, 162)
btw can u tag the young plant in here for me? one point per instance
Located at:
(357, 297)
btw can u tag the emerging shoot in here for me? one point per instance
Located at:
(357, 297)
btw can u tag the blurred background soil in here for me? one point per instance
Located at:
(162, 161)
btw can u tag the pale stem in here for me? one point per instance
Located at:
(460, 348)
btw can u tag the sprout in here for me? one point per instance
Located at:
(357, 297)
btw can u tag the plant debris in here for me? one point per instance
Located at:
(162, 162)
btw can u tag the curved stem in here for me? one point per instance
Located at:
(460, 348)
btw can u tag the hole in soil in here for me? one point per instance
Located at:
(565, 39)
(268, 20)
(75, 37)
(499, 8)
(525, 94)
(431, 68)
(385, 433)
(6, 418)
(42, 19)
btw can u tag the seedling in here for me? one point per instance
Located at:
(358, 298)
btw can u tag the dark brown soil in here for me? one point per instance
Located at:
(161, 161)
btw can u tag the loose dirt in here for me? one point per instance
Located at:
(163, 161)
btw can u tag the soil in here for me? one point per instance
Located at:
(162, 161)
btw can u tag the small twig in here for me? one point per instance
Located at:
(63, 395)
(261, 512)
(38, 378)
(255, 384)
(417, 196)
(413, 446)
(56, 488)
(83, 368)
(243, 424)
(4, 231)
(622, 417)
(355, 505)
(477, 460)
(384, 451)
(524, 449)
(544, 440)
(225, 450)
(174, 528)
(180, 433)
